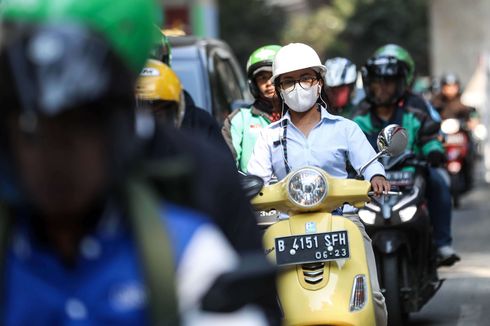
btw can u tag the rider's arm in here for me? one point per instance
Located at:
(361, 151)
(260, 163)
(232, 132)
(205, 256)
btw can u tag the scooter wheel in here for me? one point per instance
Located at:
(391, 285)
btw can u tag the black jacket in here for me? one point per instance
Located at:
(200, 123)
(215, 188)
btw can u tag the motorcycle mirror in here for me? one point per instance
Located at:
(251, 185)
(392, 140)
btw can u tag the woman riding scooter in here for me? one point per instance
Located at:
(308, 135)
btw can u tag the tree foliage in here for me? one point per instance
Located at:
(320, 28)
(247, 25)
(349, 28)
(374, 23)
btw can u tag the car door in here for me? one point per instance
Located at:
(227, 83)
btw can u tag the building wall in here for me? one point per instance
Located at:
(460, 39)
(460, 33)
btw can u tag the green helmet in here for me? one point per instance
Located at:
(162, 51)
(127, 26)
(260, 60)
(59, 54)
(393, 50)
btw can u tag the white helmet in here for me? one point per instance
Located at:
(340, 71)
(296, 56)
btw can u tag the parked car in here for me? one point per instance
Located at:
(210, 72)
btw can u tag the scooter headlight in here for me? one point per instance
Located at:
(307, 187)
(450, 126)
(367, 216)
(407, 213)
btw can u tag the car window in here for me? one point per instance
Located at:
(227, 87)
(191, 74)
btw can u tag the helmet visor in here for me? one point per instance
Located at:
(53, 68)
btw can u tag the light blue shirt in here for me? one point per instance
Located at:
(328, 145)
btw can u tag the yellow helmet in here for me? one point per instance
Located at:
(157, 82)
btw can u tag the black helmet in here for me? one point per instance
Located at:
(384, 67)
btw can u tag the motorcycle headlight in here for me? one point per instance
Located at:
(454, 167)
(367, 216)
(307, 187)
(407, 213)
(480, 132)
(450, 126)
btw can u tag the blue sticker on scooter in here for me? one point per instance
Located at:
(310, 227)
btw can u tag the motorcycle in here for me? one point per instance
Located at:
(460, 153)
(323, 271)
(401, 234)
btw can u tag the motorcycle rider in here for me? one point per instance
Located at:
(309, 135)
(242, 127)
(340, 81)
(79, 241)
(195, 118)
(159, 90)
(386, 76)
(162, 50)
(448, 101)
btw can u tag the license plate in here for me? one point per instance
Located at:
(400, 178)
(310, 248)
(457, 139)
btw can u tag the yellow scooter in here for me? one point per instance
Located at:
(323, 272)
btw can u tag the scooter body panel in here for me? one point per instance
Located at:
(326, 302)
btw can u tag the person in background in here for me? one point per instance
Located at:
(385, 77)
(340, 81)
(242, 127)
(195, 118)
(162, 50)
(89, 239)
(448, 101)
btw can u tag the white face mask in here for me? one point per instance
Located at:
(301, 100)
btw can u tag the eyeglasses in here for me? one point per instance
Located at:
(305, 82)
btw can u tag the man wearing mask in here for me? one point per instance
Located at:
(386, 76)
(242, 127)
(309, 135)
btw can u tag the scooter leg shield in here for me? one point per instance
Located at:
(322, 293)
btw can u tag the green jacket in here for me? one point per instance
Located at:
(347, 112)
(421, 129)
(241, 129)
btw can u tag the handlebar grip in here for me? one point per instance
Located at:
(389, 193)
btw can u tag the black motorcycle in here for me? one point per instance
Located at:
(401, 233)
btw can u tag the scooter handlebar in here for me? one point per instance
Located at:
(389, 193)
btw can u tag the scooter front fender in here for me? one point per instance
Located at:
(388, 242)
(327, 300)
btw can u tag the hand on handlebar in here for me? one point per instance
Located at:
(380, 185)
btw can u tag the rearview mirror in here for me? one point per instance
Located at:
(392, 140)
